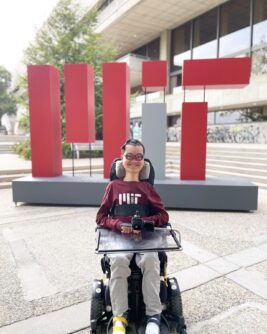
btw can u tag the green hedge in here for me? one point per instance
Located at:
(23, 149)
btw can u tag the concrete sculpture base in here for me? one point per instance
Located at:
(234, 194)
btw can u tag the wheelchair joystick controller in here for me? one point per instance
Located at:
(138, 224)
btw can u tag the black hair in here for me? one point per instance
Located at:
(133, 142)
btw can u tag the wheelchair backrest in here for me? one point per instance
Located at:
(147, 173)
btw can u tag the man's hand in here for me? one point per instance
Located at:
(129, 230)
(126, 229)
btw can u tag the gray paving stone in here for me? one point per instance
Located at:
(213, 298)
(252, 316)
(221, 265)
(65, 249)
(196, 252)
(178, 261)
(247, 257)
(195, 276)
(60, 322)
(261, 268)
(13, 307)
(263, 247)
(251, 280)
(33, 280)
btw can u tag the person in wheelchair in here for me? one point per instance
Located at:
(122, 195)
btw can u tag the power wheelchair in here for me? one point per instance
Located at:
(155, 239)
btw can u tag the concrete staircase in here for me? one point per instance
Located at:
(249, 161)
(7, 141)
(7, 176)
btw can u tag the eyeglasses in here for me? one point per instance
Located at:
(131, 156)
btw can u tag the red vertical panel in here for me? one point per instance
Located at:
(216, 73)
(45, 124)
(193, 141)
(80, 103)
(154, 75)
(116, 106)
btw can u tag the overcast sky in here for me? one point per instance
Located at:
(19, 21)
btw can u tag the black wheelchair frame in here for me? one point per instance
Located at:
(170, 295)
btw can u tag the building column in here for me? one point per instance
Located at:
(165, 53)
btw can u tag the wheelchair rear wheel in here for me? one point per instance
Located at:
(97, 309)
(175, 303)
(175, 307)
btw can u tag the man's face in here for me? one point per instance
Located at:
(133, 159)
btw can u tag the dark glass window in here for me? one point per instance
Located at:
(175, 81)
(235, 27)
(205, 33)
(153, 49)
(180, 45)
(150, 50)
(141, 51)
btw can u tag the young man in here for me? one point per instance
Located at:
(120, 192)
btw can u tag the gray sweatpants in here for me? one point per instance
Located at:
(120, 271)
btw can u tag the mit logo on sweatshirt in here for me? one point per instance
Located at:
(129, 198)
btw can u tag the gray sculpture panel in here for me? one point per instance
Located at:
(154, 135)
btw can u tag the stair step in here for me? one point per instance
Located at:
(5, 185)
(210, 173)
(259, 167)
(228, 169)
(252, 178)
(11, 177)
(255, 152)
(259, 159)
(232, 161)
(65, 169)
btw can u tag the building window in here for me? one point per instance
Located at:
(244, 115)
(150, 50)
(205, 35)
(175, 81)
(180, 41)
(235, 27)
(153, 49)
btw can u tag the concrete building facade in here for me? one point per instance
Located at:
(175, 30)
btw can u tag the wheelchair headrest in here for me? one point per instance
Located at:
(147, 173)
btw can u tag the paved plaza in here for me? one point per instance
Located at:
(48, 263)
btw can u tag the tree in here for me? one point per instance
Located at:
(68, 37)
(7, 99)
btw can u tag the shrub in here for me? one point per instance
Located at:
(66, 150)
(23, 149)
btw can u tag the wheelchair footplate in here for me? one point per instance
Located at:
(160, 239)
(141, 329)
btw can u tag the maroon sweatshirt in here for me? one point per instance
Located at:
(119, 192)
